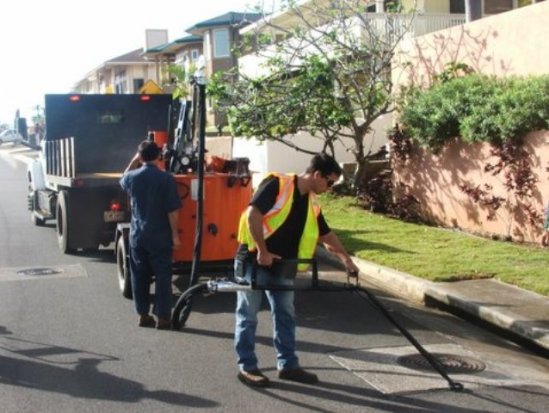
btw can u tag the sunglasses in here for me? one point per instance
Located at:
(329, 182)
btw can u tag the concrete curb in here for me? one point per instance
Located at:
(513, 317)
(398, 283)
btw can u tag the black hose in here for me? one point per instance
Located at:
(455, 386)
(200, 190)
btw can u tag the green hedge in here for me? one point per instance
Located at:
(476, 108)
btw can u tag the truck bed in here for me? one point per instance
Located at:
(87, 180)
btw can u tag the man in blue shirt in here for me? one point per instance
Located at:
(154, 233)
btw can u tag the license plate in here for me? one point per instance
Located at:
(114, 216)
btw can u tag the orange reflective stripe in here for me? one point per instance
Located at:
(277, 215)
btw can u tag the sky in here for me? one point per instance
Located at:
(47, 46)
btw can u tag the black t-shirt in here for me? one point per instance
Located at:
(285, 240)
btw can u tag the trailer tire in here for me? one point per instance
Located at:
(123, 269)
(183, 307)
(62, 218)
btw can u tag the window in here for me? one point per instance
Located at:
(497, 6)
(522, 3)
(457, 6)
(194, 54)
(120, 84)
(137, 84)
(221, 43)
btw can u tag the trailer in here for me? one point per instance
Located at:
(89, 140)
(214, 193)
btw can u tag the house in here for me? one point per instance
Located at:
(184, 52)
(220, 35)
(123, 74)
(430, 16)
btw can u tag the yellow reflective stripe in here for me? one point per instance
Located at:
(276, 216)
(309, 237)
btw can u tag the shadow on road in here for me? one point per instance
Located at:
(81, 378)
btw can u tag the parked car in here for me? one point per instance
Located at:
(10, 136)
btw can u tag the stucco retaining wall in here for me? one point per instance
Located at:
(435, 180)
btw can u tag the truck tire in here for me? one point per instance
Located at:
(123, 269)
(62, 218)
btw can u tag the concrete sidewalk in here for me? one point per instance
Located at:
(518, 311)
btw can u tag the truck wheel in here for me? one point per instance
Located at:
(61, 215)
(39, 222)
(123, 269)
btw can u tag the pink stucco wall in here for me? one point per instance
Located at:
(511, 43)
(435, 180)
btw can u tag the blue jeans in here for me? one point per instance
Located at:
(283, 314)
(144, 262)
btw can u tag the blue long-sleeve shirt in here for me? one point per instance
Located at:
(153, 195)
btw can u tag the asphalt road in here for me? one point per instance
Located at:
(69, 343)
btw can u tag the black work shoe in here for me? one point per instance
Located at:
(299, 375)
(253, 378)
(146, 320)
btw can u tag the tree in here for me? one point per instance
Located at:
(178, 80)
(327, 73)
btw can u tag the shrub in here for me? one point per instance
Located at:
(476, 108)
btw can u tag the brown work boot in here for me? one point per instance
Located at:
(145, 320)
(164, 324)
(253, 378)
(299, 375)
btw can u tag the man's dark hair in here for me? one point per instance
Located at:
(325, 164)
(148, 150)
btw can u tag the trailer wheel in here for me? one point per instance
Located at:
(183, 307)
(62, 218)
(123, 269)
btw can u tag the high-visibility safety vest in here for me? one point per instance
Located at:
(278, 214)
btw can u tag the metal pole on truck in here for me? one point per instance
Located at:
(199, 117)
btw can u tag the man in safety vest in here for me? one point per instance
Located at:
(282, 221)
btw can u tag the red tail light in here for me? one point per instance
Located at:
(116, 206)
(145, 98)
(74, 98)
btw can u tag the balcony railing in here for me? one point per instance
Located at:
(368, 27)
(407, 25)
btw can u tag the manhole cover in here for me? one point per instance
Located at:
(38, 271)
(451, 363)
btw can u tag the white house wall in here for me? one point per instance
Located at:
(274, 156)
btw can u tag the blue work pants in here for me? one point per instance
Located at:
(144, 263)
(282, 312)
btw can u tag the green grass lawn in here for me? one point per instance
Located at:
(434, 253)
